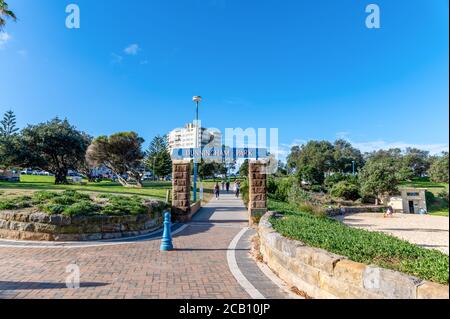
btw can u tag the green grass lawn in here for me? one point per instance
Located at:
(433, 187)
(155, 190)
(361, 245)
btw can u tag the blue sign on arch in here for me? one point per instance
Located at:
(219, 153)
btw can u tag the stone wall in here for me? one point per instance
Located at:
(181, 191)
(257, 205)
(322, 275)
(355, 209)
(28, 225)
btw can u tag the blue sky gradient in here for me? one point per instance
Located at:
(310, 68)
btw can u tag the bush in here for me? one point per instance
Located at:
(245, 192)
(430, 198)
(361, 245)
(278, 188)
(297, 195)
(311, 175)
(345, 190)
(16, 203)
(53, 209)
(443, 194)
(332, 180)
(81, 208)
(72, 203)
(121, 205)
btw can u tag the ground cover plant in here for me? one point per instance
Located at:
(360, 245)
(74, 203)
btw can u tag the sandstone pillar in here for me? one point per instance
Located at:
(181, 191)
(257, 190)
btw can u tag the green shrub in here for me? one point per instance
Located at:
(63, 200)
(278, 188)
(345, 190)
(81, 208)
(52, 209)
(361, 245)
(430, 198)
(245, 192)
(443, 194)
(297, 195)
(15, 203)
(122, 205)
(312, 209)
(42, 196)
(7, 204)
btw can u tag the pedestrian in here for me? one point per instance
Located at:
(237, 188)
(389, 212)
(223, 185)
(228, 186)
(217, 190)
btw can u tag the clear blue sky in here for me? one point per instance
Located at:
(308, 67)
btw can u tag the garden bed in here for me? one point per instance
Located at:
(74, 216)
(359, 245)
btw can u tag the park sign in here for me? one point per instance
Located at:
(222, 154)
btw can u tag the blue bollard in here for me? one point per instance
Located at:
(166, 243)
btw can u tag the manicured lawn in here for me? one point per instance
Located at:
(155, 190)
(440, 213)
(361, 245)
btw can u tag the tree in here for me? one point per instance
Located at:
(54, 146)
(243, 170)
(438, 171)
(395, 157)
(379, 177)
(282, 169)
(346, 190)
(311, 175)
(344, 155)
(121, 153)
(5, 13)
(157, 158)
(314, 159)
(416, 161)
(293, 158)
(8, 125)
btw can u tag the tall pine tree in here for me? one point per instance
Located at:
(157, 158)
(8, 125)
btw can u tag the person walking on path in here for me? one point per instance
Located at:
(237, 188)
(223, 185)
(228, 186)
(217, 190)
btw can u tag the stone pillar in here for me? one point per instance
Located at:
(257, 190)
(181, 191)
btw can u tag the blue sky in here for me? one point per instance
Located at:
(308, 67)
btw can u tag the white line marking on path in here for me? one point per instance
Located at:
(62, 245)
(234, 268)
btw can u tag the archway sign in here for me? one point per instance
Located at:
(181, 157)
(224, 153)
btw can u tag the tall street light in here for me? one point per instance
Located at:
(197, 100)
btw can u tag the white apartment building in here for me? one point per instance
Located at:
(186, 137)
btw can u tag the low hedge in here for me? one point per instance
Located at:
(361, 245)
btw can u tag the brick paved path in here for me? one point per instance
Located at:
(197, 269)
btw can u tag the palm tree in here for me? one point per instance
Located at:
(5, 13)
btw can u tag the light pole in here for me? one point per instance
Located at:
(197, 100)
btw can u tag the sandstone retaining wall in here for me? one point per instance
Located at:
(325, 275)
(27, 225)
